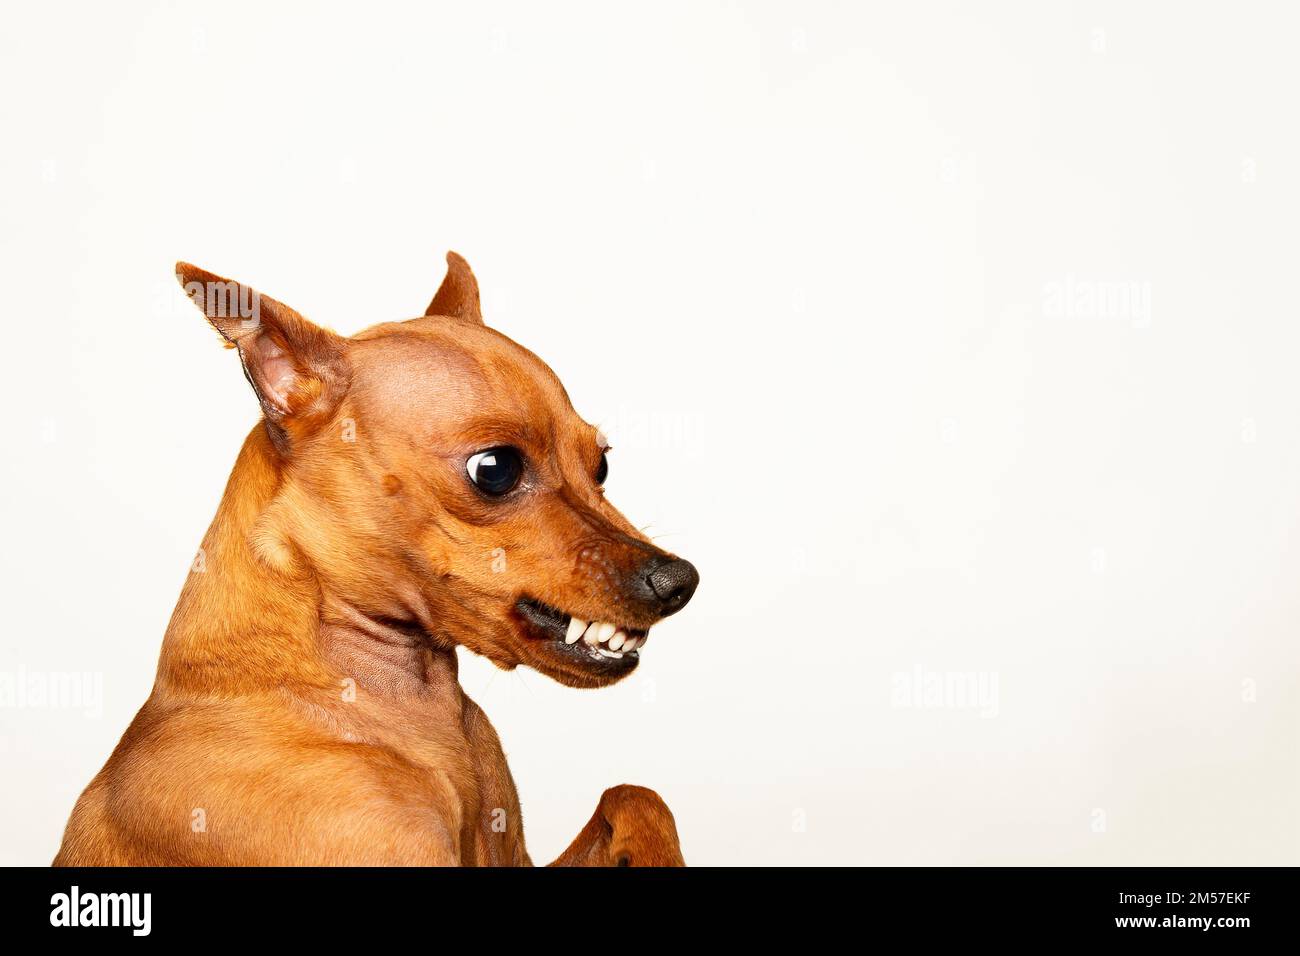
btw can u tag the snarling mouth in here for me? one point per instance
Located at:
(592, 642)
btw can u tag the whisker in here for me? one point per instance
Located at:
(521, 680)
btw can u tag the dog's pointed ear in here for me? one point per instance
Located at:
(458, 294)
(298, 370)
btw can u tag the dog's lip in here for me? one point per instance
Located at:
(549, 626)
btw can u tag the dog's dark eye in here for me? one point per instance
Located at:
(602, 470)
(496, 470)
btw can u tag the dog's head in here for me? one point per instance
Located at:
(435, 477)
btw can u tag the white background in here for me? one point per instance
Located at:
(801, 261)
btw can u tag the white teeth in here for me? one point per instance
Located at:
(576, 627)
(603, 637)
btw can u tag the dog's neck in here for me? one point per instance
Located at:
(382, 656)
(245, 623)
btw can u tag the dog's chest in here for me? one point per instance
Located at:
(501, 828)
(463, 762)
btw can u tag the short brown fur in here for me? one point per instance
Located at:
(306, 708)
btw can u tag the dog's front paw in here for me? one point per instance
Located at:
(640, 830)
(632, 826)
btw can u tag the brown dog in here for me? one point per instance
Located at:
(420, 485)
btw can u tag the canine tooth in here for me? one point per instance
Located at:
(576, 627)
(618, 640)
(604, 632)
(630, 645)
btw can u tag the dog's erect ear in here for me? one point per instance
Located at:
(298, 370)
(458, 294)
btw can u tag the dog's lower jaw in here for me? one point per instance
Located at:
(553, 665)
(551, 662)
(552, 648)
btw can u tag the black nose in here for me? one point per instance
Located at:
(672, 581)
